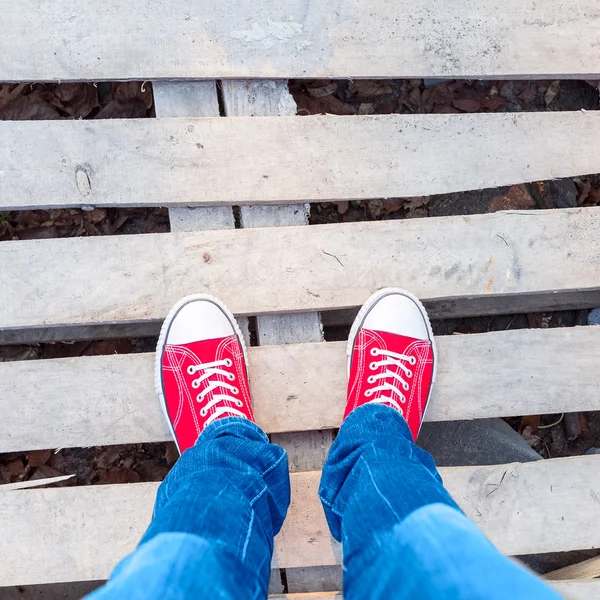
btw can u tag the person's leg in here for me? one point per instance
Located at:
(219, 508)
(402, 534)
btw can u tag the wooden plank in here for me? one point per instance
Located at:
(490, 257)
(307, 450)
(192, 99)
(587, 569)
(103, 400)
(272, 98)
(78, 534)
(573, 590)
(317, 579)
(277, 160)
(578, 590)
(71, 40)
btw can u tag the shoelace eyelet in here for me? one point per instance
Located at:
(374, 352)
(191, 370)
(228, 362)
(195, 384)
(409, 374)
(405, 386)
(231, 377)
(373, 366)
(368, 393)
(413, 361)
(235, 390)
(371, 379)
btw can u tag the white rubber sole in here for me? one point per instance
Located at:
(362, 313)
(162, 338)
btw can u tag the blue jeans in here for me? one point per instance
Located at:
(402, 535)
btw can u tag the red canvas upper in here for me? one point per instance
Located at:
(409, 369)
(196, 393)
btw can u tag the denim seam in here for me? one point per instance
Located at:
(247, 540)
(274, 464)
(258, 496)
(327, 503)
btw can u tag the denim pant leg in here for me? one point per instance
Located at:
(403, 537)
(215, 517)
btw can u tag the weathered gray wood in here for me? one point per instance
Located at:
(491, 257)
(277, 160)
(73, 40)
(572, 590)
(315, 579)
(80, 533)
(102, 400)
(192, 99)
(306, 451)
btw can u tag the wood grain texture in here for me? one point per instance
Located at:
(78, 534)
(587, 569)
(489, 258)
(71, 40)
(277, 160)
(103, 400)
(192, 99)
(572, 590)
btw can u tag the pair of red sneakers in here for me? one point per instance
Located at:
(201, 367)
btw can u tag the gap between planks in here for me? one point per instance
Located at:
(277, 160)
(103, 400)
(78, 534)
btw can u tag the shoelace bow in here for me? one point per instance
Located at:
(391, 359)
(217, 401)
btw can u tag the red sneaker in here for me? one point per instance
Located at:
(200, 368)
(391, 356)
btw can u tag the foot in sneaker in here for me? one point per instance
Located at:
(200, 370)
(391, 356)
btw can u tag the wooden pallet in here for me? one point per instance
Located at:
(261, 157)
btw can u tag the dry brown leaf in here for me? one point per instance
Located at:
(416, 202)
(18, 352)
(307, 105)
(75, 99)
(45, 472)
(516, 198)
(9, 91)
(392, 205)
(342, 207)
(4, 475)
(31, 106)
(532, 421)
(37, 458)
(585, 187)
(469, 105)
(368, 88)
(118, 476)
(16, 468)
(171, 453)
(103, 347)
(133, 91)
(150, 472)
(131, 110)
(551, 92)
(320, 91)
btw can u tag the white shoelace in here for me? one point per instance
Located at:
(211, 369)
(397, 360)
